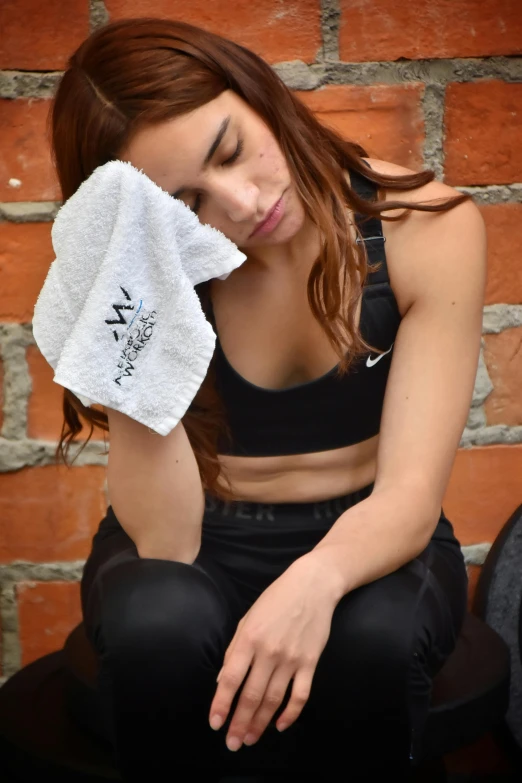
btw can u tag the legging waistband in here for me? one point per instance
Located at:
(310, 512)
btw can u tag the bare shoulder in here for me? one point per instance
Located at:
(433, 190)
(424, 249)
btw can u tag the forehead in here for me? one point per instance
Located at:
(195, 127)
(173, 150)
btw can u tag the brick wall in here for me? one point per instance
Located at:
(436, 84)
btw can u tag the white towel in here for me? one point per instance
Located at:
(118, 318)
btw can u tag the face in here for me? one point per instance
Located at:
(243, 180)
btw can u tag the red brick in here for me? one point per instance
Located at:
(387, 120)
(50, 513)
(45, 413)
(274, 30)
(389, 29)
(25, 151)
(504, 229)
(483, 491)
(503, 357)
(483, 126)
(473, 577)
(1, 394)
(48, 612)
(26, 252)
(41, 37)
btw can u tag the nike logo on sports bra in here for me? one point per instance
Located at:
(370, 362)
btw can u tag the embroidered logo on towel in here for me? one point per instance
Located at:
(134, 335)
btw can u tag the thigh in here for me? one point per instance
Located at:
(160, 629)
(387, 641)
(378, 628)
(115, 569)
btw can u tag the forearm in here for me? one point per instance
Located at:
(375, 537)
(155, 489)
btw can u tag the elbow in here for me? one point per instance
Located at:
(426, 529)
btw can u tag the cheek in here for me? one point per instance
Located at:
(271, 160)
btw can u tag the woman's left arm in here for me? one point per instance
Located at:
(428, 395)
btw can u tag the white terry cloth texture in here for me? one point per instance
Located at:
(118, 318)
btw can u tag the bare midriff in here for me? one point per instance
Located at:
(302, 478)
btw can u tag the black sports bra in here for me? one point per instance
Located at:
(328, 412)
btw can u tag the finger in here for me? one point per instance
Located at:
(232, 675)
(252, 695)
(230, 648)
(300, 694)
(274, 695)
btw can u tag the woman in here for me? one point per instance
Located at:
(287, 539)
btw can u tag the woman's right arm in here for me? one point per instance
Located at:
(155, 488)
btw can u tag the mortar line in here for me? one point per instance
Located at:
(433, 105)
(506, 193)
(98, 14)
(330, 19)
(18, 83)
(51, 571)
(10, 624)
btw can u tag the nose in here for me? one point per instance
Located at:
(238, 200)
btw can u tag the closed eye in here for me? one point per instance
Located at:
(237, 153)
(234, 157)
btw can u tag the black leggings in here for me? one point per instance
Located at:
(161, 629)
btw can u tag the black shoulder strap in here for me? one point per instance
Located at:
(371, 229)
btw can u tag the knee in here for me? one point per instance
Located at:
(153, 608)
(376, 634)
(373, 645)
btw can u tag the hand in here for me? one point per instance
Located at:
(281, 637)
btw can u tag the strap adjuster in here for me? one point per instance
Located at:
(368, 239)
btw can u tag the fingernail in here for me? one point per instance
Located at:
(233, 743)
(216, 722)
(282, 726)
(249, 739)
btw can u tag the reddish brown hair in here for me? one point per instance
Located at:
(136, 72)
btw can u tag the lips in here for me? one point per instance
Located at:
(260, 225)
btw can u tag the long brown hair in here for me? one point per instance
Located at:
(137, 72)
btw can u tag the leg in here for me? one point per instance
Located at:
(371, 691)
(161, 629)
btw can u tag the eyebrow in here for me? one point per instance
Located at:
(210, 154)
